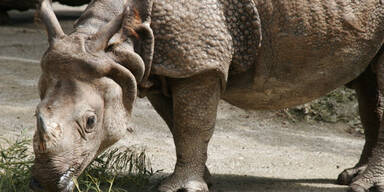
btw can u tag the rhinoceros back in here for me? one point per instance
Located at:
(309, 48)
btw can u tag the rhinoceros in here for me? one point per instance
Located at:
(185, 56)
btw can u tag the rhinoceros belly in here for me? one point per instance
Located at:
(308, 49)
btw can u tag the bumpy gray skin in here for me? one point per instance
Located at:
(307, 50)
(254, 54)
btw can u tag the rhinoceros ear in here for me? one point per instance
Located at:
(136, 27)
(49, 18)
(143, 8)
(99, 40)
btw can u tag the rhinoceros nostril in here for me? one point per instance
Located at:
(35, 185)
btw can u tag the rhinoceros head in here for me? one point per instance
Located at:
(86, 101)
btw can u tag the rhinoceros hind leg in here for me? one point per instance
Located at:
(370, 113)
(373, 176)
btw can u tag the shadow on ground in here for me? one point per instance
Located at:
(243, 183)
(252, 183)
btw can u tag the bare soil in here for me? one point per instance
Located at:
(250, 150)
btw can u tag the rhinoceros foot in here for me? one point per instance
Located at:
(358, 188)
(185, 183)
(347, 176)
(371, 179)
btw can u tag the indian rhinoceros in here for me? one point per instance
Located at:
(185, 56)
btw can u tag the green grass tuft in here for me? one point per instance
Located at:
(15, 163)
(116, 170)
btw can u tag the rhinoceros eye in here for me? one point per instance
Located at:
(91, 121)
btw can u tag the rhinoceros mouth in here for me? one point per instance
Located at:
(66, 180)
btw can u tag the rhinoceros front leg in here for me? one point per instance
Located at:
(370, 113)
(164, 107)
(191, 117)
(373, 175)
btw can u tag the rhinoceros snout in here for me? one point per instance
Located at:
(35, 185)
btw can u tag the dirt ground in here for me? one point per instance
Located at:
(250, 151)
